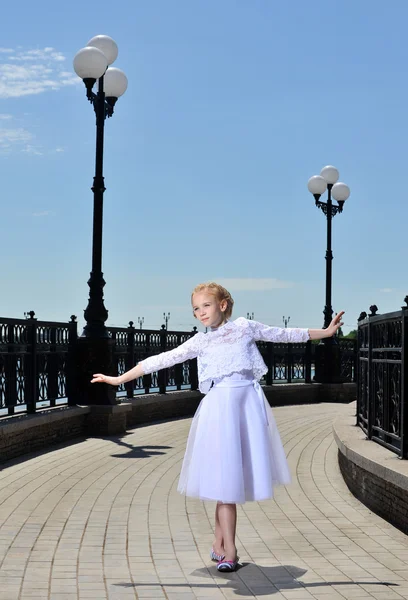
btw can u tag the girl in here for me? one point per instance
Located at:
(234, 452)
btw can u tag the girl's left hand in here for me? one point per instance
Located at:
(336, 323)
(100, 378)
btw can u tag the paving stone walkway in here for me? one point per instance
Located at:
(101, 519)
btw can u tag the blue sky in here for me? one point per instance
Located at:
(231, 107)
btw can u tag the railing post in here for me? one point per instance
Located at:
(193, 368)
(147, 379)
(162, 376)
(31, 390)
(357, 377)
(404, 381)
(308, 362)
(359, 362)
(355, 361)
(289, 354)
(178, 368)
(130, 358)
(270, 363)
(10, 364)
(370, 374)
(52, 368)
(70, 373)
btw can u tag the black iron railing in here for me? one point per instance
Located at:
(36, 370)
(348, 359)
(34, 363)
(133, 345)
(382, 379)
(287, 363)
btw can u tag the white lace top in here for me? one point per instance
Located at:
(226, 351)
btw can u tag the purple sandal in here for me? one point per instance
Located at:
(227, 566)
(215, 556)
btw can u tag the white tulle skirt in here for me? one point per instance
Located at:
(234, 452)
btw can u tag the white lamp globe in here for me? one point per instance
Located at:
(107, 45)
(115, 83)
(317, 185)
(340, 192)
(330, 174)
(90, 63)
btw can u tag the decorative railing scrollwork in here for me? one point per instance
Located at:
(381, 379)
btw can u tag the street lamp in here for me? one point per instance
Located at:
(327, 351)
(95, 347)
(166, 319)
(140, 321)
(250, 316)
(285, 321)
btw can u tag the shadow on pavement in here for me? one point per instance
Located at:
(139, 451)
(261, 580)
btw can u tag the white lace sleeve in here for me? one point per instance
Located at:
(185, 351)
(278, 334)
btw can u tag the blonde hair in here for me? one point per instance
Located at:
(219, 292)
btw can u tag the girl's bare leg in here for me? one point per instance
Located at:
(227, 514)
(219, 540)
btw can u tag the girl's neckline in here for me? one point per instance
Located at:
(220, 327)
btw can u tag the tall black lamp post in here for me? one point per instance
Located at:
(327, 351)
(94, 351)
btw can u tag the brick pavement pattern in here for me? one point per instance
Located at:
(101, 519)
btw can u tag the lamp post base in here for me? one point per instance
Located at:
(92, 355)
(328, 363)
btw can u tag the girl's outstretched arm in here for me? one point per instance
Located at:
(134, 373)
(185, 351)
(292, 334)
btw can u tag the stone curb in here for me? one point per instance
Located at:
(52, 415)
(368, 455)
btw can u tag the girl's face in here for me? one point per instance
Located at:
(208, 309)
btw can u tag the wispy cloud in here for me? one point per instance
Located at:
(14, 137)
(254, 285)
(45, 54)
(44, 213)
(33, 71)
(387, 290)
(35, 150)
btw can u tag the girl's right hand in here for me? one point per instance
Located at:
(99, 378)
